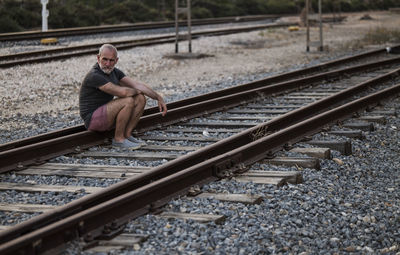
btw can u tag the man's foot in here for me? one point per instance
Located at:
(126, 144)
(136, 140)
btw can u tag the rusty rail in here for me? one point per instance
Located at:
(196, 157)
(110, 215)
(204, 97)
(36, 153)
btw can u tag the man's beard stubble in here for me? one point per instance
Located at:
(105, 69)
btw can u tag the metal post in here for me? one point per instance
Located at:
(176, 26)
(45, 14)
(308, 25)
(189, 17)
(321, 47)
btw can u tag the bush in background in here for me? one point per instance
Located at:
(19, 15)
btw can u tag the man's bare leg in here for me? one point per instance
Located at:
(119, 111)
(138, 109)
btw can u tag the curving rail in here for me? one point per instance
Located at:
(19, 154)
(105, 212)
(146, 192)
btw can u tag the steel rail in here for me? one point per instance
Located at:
(208, 96)
(186, 161)
(81, 50)
(125, 27)
(37, 153)
(109, 217)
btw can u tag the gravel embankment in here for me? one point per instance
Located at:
(350, 206)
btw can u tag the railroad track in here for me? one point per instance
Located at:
(252, 124)
(39, 56)
(31, 35)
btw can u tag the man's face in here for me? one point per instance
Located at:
(107, 60)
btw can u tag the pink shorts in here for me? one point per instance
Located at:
(99, 120)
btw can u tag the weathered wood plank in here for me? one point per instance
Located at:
(236, 198)
(311, 94)
(221, 124)
(264, 106)
(47, 188)
(262, 118)
(94, 168)
(127, 240)
(182, 138)
(214, 130)
(88, 174)
(271, 177)
(384, 112)
(254, 111)
(322, 153)
(303, 97)
(128, 155)
(170, 148)
(80, 170)
(295, 161)
(26, 208)
(105, 249)
(2, 227)
(348, 133)
(203, 218)
(361, 126)
(344, 147)
(374, 118)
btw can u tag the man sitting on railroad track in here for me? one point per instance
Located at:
(109, 99)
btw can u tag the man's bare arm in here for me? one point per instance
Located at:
(145, 89)
(119, 91)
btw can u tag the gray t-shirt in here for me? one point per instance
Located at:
(90, 96)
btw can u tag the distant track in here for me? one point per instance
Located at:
(88, 49)
(126, 27)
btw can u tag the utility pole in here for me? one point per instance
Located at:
(308, 25)
(321, 47)
(45, 14)
(320, 42)
(185, 10)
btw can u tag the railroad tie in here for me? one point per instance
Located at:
(321, 153)
(118, 243)
(270, 177)
(369, 127)
(374, 118)
(234, 198)
(294, 161)
(202, 218)
(357, 134)
(344, 147)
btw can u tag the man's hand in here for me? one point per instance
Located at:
(162, 106)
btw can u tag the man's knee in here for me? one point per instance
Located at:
(128, 101)
(140, 100)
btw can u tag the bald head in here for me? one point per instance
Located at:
(108, 47)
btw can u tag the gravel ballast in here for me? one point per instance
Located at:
(342, 209)
(350, 206)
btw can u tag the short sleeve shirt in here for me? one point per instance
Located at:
(90, 96)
